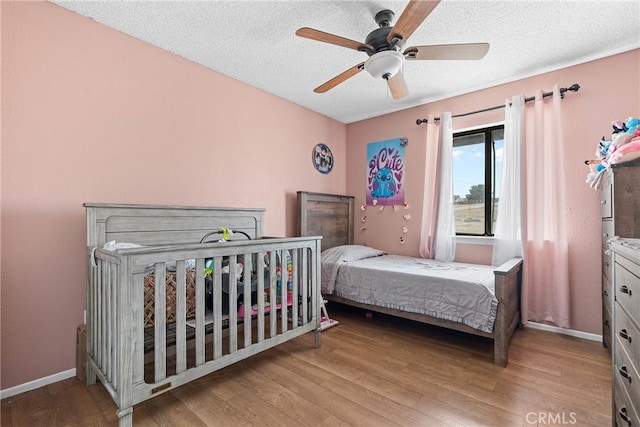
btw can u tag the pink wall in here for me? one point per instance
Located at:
(90, 114)
(610, 90)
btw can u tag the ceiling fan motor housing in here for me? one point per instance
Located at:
(378, 39)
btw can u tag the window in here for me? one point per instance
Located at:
(477, 171)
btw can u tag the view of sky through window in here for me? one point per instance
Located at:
(468, 167)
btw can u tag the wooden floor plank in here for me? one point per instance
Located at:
(208, 407)
(169, 409)
(306, 413)
(323, 397)
(376, 371)
(386, 409)
(261, 412)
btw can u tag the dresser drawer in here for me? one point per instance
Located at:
(626, 373)
(626, 333)
(605, 201)
(624, 413)
(627, 287)
(607, 232)
(629, 265)
(607, 264)
(607, 294)
(607, 327)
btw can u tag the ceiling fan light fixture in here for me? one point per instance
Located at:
(384, 64)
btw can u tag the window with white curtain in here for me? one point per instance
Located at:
(477, 169)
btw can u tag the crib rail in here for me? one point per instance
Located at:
(249, 296)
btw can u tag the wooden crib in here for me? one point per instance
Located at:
(135, 363)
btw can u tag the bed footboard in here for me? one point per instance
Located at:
(508, 279)
(271, 287)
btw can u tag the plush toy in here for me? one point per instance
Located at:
(628, 152)
(592, 164)
(618, 126)
(620, 139)
(624, 146)
(632, 124)
(603, 148)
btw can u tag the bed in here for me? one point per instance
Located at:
(479, 300)
(276, 295)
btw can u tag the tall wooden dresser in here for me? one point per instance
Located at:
(620, 212)
(621, 288)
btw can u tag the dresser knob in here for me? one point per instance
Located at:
(624, 335)
(603, 202)
(623, 414)
(624, 373)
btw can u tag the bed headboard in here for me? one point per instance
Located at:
(150, 225)
(326, 215)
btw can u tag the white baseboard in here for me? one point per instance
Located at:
(41, 382)
(563, 331)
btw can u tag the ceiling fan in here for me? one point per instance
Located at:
(384, 45)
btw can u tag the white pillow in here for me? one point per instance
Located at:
(348, 253)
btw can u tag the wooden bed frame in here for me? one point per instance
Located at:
(332, 217)
(118, 353)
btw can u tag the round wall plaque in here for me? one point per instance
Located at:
(322, 158)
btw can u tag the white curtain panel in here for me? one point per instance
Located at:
(445, 236)
(508, 232)
(430, 194)
(546, 274)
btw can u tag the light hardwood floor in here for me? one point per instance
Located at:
(368, 372)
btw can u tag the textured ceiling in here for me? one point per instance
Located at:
(255, 42)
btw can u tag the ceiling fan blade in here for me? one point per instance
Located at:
(412, 16)
(340, 78)
(321, 36)
(398, 86)
(465, 51)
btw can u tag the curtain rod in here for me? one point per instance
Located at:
(573, 88)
